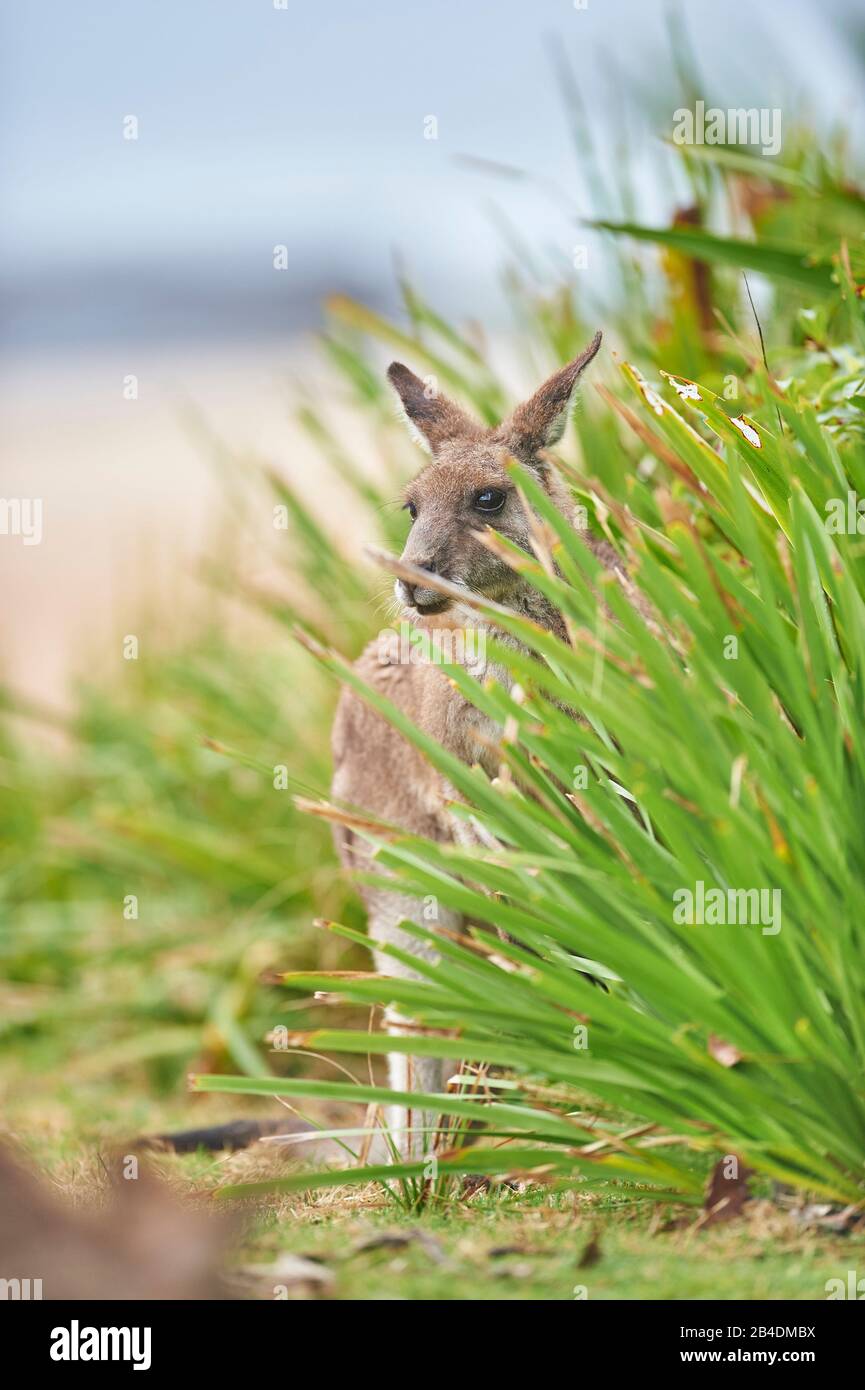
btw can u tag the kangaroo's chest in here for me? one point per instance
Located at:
(458, 725)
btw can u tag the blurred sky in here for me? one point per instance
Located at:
(303, 126)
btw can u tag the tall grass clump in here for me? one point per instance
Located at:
(693, 839)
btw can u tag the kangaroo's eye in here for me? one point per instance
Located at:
(411, 509)
(492, 499)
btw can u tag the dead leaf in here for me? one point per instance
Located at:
(823, 1216)
(726, 1194)
(399, 1240)
(388, 1240)
(592, 1253)
(298, 1275)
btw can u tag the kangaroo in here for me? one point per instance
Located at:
(463, 488)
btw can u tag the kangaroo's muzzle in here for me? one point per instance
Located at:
(421, 599)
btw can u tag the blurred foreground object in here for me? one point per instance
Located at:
(142, 1245)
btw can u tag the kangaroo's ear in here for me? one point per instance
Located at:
(432, 418)
(540, 422)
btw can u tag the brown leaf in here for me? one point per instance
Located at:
(386, 1240)
(399, 1240)
(592, 1253)
(726, 1194)
(822, 1215)
(292, 1276)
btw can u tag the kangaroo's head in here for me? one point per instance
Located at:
(466, 487)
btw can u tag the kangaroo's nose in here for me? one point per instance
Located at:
(416, 595)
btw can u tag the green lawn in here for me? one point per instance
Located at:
(531, 1247)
